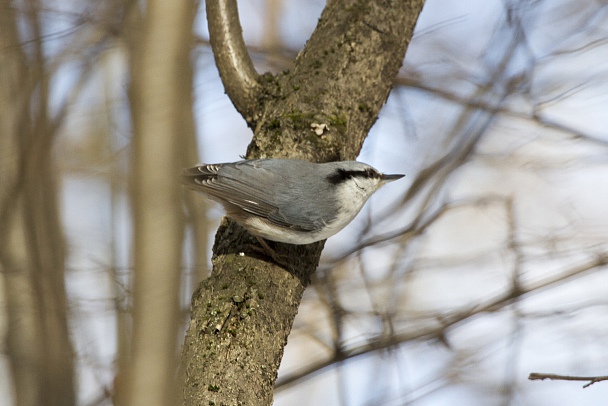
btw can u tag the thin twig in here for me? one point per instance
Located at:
(554, 377)
(438, 330)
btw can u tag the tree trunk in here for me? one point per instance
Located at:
(241, 316)
(32, 248)
(161, 103)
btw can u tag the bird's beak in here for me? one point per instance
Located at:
(389, 178)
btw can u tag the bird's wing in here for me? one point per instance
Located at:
(247, 186)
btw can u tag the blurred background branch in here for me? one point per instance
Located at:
(160, 101)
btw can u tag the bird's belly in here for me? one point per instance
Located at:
(273, 232)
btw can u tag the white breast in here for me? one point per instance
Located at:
(354, 195)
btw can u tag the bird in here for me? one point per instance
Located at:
(288, 200)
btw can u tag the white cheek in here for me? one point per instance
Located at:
(358, 187)
(352, 197)
(362, 189)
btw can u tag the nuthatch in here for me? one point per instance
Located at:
(288, 200)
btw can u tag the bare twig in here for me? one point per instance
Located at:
(534, 376)
(438, 330)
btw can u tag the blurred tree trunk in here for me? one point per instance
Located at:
(161, 105)
(32, 249)
(241, 316)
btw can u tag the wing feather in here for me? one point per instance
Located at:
(248, 186)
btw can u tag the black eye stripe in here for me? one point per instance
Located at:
(342, 175)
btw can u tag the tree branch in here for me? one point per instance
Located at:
(438, 330)
(233, 62)
(534, 376)
(342, 78)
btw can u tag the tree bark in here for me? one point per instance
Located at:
(241, 316)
